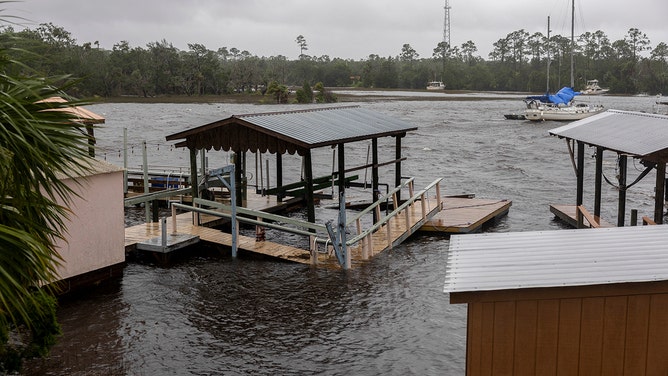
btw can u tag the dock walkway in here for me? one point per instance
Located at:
(459, 215)
(462, 215)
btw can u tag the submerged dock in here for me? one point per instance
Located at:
(456, 215)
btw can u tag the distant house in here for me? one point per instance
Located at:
(94, 249)
(569, 302)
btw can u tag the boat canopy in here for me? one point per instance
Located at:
(563, 96)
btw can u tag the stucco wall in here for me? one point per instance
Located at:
(96, 228)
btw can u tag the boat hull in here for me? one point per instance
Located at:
(570, 113)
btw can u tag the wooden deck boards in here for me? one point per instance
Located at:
(566, 213)
(461, 215)
(466, 215)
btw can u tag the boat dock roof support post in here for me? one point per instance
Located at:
(621, 209)
(580, 179)
(598, 182)
(237, 176)
(397, 169)
(308, 175)
(194, 183)
(660, 191)
(342, 168)
(231, 171)
(279, 175)
(374, 173)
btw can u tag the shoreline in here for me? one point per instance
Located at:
(343, 94)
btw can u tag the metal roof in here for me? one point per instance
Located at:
(519, 260)
(628, 132)
(293, 130)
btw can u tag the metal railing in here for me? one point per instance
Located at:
(318, 233)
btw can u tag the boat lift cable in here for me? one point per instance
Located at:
(647, 170)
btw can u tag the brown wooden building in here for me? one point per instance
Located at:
(570, 302)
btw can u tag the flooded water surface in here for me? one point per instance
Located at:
(224, 316)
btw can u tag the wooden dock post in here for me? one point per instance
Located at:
(174, 220)
(147, 208)
(424, 206)
(313, 248)
(163, 232)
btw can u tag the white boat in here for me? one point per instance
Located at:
(436, 85)
(560, 106)
(539, 111)
(592, 88)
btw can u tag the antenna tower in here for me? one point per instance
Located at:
(446, 23)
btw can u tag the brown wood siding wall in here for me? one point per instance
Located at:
(608, 335)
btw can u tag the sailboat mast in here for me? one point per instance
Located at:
(572, 43)
(547, 86)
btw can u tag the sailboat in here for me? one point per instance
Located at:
(560, 106)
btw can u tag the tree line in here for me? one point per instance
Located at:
(518, 62)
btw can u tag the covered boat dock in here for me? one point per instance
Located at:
(629, 134)
(298, 132)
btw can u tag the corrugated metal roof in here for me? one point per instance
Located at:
(634, 133)
(517, 260)
(325, 126)
(293, 130)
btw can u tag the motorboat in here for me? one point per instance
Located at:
(436, 85)
(593, 88)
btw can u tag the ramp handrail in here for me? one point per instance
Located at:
(378, 202)
(419, 195)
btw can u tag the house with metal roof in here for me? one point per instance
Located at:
(576, 302)
(629, 134)
(297, 132)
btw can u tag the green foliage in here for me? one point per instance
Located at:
(40, 144)
(304, 94)
(323, 95)
(160, 69)
(278, 91)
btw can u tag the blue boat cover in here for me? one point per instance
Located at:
(563, 96)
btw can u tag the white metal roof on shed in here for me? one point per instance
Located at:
(634, 133)
(518, 260)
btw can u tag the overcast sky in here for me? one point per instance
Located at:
(338, 28)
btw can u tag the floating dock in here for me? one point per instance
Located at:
(463, 215)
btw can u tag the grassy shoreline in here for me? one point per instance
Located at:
(256, 98)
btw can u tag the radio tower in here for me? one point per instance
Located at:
(446, 23)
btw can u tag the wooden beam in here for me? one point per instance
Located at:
(598, 181)
(193, 173)
(374, 173)
(593, 221)
(397, 168)
(659, 192)
(279, 174)
(580, 181)
(621, 208)
(308, 172)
